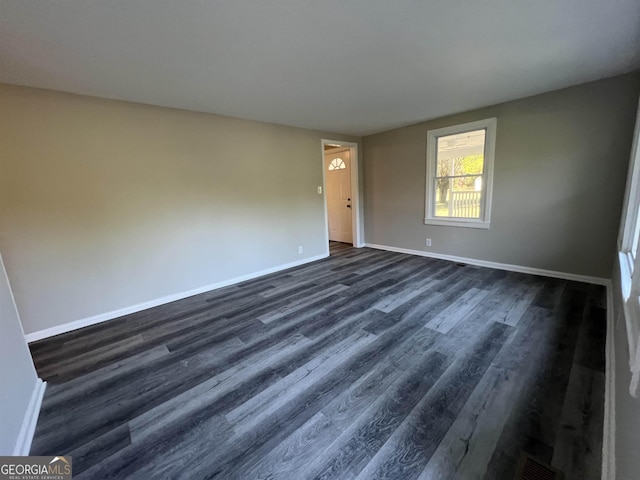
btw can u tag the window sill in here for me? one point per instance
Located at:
(457, 223)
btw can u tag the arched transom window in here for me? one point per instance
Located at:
(337, 164)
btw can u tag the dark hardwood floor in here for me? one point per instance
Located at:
(367, 365)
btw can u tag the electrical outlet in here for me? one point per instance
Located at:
(299, 249)
(428, 242)
(319, 190)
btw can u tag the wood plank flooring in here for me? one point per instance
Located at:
(364, 365)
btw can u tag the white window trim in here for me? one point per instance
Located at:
(630, 266)
(490, 124)
(631, 208)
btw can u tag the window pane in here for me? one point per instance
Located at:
(337, 164)
(470, 183)
(443, 165)
(473, 164)
(461, 154)
(442, 189)
(459, 197)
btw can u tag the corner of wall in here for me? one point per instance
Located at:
(28, 429)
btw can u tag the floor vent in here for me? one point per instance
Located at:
(531, 469)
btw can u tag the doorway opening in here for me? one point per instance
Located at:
(341, 193)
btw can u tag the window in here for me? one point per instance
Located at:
(629, 259)
(337, 164)
(460, 174)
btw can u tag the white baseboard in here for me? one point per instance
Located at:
(103, 317)
(609, 430)
(499, 266)
(23, 444)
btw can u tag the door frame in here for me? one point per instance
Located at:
(355, 190)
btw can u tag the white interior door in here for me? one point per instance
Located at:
(338, 178)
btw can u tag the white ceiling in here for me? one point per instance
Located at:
(345, 66)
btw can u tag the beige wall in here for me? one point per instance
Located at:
(17, 374)
(560, 168)
(107, 204)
